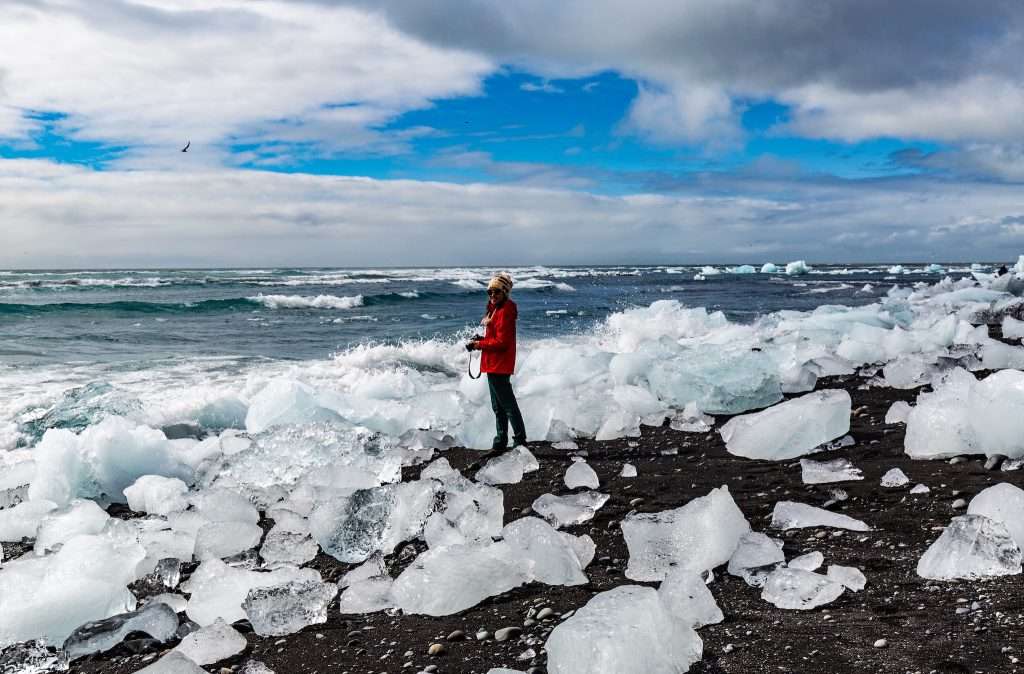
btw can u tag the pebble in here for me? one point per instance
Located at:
(430, 669)
(506, 633)
(529, 622)
(482, 635)
(436, 649)
(881, 643)
(728, 648)
(457, 635)
(959, 504)
(545, 612)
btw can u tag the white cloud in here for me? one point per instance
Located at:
(61, 216)
(149, 73)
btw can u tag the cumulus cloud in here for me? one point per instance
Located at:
(63, 216)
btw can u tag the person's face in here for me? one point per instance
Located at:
(495, 295)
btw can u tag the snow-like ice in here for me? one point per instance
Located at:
(825, 472)
(157, 495)
(23, 520)
(1004, 503)
(793, 515)
(279, 610)
(157, 620)
(580, 474)
(894, 477)
(755, 557)
(550, 553)
(697, 536)
(850, 577)
(789, 588)
(212, 643)
(78, 517)
(564, 511)
(972, 546)
(789, 429)
(898, 412)
(797, 268)
(686, 596)
(628, 470)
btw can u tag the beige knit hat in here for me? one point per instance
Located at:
(502, 282)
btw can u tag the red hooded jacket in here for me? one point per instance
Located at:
(498, 347)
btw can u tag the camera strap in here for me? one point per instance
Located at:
(469, 367)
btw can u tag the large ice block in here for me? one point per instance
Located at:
(972, 546)
(789, 429)
(551, 554)
(685, 595)
(793, 515)
(279, 610)
(755, 557)
(564, 511)
(1004, 503)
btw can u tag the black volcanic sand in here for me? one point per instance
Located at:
(918, 618)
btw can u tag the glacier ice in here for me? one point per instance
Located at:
(580, 474)
(769, 268)
(449, 579)
(755, 557)
(894, 477)
(564, 511)
(789, 588)
(285, 402)
(811, 561)
(1004, 503)
(626, 630)
(157, 495)
(686, 596)
(157, 620)
(279, 610)
(793, 515)
(850, 577)
(972, 546)
(212, 643)
(697, 536)
(826, 472)
(550, 553)
(789, 429)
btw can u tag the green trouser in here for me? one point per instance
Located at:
(506, 409)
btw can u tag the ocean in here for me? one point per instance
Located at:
(166, 342)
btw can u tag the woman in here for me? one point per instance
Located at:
(498, 360)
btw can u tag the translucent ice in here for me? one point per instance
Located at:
(580, 474)
(686, 596)
(282, 547)
(769, 268)
(212, 643)
(218, 590)
(626, 630)
(825, 472)
(691, 420)
(446, 580)
(367, 595)
(1012, 328)
(79, 517)
(157, 620)
(279, 610)
(972, 546)
(698, 536)
(898, 412)
(718, 379)
(755, 557)
(792, 515)
(217, 540)
(801, 590)
(507, 468)
(789, 429)
(812, 561)
(157, 495)
(224, 505)
(564, 511)
(849, 577)
(894, 477)
(285, 402)
(554, 560)
(173, 663)
(1004, 503)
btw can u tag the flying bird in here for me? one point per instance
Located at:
(187, 146)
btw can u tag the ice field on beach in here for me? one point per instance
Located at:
(201, 449)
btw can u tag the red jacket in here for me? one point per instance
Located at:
(498, 347)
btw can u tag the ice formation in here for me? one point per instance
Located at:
(793, 515)
(789, 588)
(755, 557)
(789, 429)
(216, 540)
(825, 472)
(769, 268)
(157, 620)
(157, 495)
(77, 518)
(691, 420)
(564, 511)
(898, 412)
(213, 643)
(698, 536)
(550, 553)
(686, 596)
(282, 547)
(797, 268)
(367, 595)
(580, 474)
(279, 610)
(638, 635)
(849, 577)
(972, 546)
(894, 477)
(507, 468)
(1003, 503)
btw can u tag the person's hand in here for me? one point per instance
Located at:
(472, 346)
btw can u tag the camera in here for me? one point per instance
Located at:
(474, 338)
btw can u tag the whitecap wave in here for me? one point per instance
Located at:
(301, 302)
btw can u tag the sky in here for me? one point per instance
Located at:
(478, 132)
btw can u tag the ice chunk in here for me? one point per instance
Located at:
(279, 610)
(972, 546)
(351, 528)
(79, 517)
(638, 635)
(157, 495)
(1004, 503)
(157, 620)
(797, 268)
(367, 595)
(23, 520)
(1012, 328)
(769, 268)
(812, 561)
(755, 557)
(255, 667)
(894, 477)
(446, 580)
(553, 557)
(173, 663)
(218, 590)
(849, 577)
(825, 472)
(789, 429)
(691, 420)
(718, 380)
(920, 489)
(793, 515)
(285, 402)
(687, 597)
(628, 470)
(898, 412)
(176, 602)
(508, 468)
(698, 536)
(564, 511)
(789, 588)
(224, 505)
(217, 540)
(213, 643)
(282, 547)
(580, 474)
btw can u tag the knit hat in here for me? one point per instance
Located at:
(502, 282)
